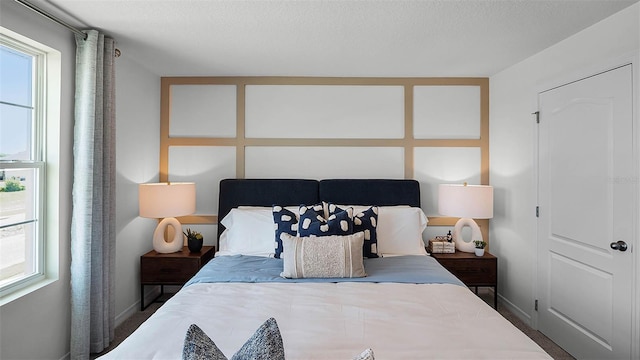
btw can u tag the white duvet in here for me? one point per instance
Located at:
(335, 321)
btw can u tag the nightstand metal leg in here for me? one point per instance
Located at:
(142, 305)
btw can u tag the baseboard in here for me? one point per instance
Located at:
(120, 318)
(521, 314)
(135, 307)
(66, 356)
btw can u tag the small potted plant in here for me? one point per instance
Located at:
(479, 247)
(194, 240)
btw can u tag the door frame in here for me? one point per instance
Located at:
(632, 59)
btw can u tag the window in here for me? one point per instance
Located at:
(22, 164)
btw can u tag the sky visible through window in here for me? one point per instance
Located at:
(18, 188)
(16, 104)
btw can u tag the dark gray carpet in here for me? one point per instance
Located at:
(132, 323)
(544, 342)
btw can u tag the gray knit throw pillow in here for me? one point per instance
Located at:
(266, 343)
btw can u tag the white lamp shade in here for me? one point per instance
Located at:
(466, 201)
(162, 200)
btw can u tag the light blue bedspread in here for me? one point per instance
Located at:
(413, 269)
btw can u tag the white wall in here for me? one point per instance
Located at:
(137, 161)
(37, 325)
(512, 143)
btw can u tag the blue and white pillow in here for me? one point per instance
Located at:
(286, 222)
(367, 222)
(313, 223)
(265, 344)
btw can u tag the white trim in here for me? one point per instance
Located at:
(521, 314)
(129, 312)
(635, 246)
(534, 247)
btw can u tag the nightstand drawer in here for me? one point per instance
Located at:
(473, 272)
(168, 270)
(171, 269)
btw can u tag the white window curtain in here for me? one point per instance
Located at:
(93, 216)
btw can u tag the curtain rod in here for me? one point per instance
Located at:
(51, 17)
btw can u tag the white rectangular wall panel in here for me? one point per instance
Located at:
(206, 166)
(203, 111)
(446, 112)
(324, 111)
(324, 162)
(444, 165)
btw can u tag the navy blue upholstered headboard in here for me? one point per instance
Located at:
(264, 192)
(292, 192)
(381, 192)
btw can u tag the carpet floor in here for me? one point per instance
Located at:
(556, 352)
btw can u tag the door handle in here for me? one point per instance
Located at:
(619, 245)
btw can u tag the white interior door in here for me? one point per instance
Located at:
(586, 200)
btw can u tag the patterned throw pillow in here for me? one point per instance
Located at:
(367, 222)
(198, 346)
(265, 344)
(332, 256)
(313, 223)
(286, 222)
(365, 355)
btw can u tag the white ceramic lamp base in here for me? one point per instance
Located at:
(476, 234)
(165, 247)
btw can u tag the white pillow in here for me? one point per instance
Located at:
(222, 241)
(400, 230)
(250, 231)
(323, 256)
(270, 208)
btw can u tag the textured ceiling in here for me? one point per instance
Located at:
(333, 38)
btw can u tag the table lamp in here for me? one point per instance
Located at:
(467, 202)
(167, 201)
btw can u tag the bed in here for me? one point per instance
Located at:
(406, 307)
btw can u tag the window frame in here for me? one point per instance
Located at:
(39, 242)
(43, 259)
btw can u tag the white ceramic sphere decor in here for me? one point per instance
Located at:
(476, 234)
(177, 242)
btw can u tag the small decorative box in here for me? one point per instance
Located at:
(441, 247)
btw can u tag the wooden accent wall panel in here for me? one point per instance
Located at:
(406, 141)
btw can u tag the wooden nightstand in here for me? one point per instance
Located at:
(171, 269)
(473, 270)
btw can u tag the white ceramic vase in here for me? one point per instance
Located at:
(479, 252)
